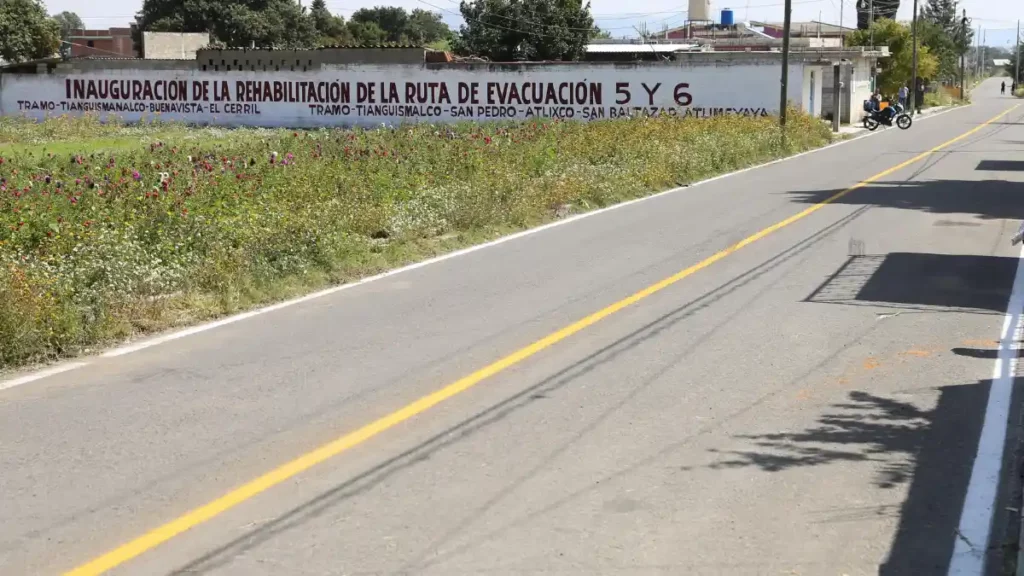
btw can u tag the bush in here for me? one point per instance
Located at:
(171, 229)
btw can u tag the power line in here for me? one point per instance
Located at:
(533, 23)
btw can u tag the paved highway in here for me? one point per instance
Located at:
(816, 389)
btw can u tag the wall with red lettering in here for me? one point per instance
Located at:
(373, 95)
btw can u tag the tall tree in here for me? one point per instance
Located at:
(942, 31)
(68, 22)
(510, 30)
(235, 23)
(393, 21)
(26, 31)
(366, 33)
(425, 27)
(331, 28)
(897, 69)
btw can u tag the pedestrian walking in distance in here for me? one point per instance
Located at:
(1002, 88)
(903, 95)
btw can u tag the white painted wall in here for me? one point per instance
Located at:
(396, 93)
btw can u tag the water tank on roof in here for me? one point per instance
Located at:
(727, 17)
(700, 11)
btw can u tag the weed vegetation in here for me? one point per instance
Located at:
(110, 231)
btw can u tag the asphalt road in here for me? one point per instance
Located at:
(810, 403)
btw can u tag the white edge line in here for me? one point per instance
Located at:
(979, 504)
(128, 349)
(41, 374)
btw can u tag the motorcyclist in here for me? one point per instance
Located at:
(886, 114)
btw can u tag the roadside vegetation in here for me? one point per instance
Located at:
(109, 231)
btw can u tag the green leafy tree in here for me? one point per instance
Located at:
(425, 27)
(601, 34)
(26, 31)
(510, 30)
(68, 22)
(330, 28)
(366, 33)
(942, 30)
(897, 69)
(392, 21)
(234, 23)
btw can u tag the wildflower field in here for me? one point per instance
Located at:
(110, 231)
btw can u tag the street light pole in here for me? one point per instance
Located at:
(913, 82)
(785, 66)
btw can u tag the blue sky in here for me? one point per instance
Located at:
(997, 16)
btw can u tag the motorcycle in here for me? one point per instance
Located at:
(884, 117)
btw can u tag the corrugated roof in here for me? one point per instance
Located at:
(630, 48)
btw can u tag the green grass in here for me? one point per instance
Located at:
(108, 231)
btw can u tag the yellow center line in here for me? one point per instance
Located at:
(199, 515)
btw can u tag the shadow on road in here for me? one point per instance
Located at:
(921, 281)
(932, 450)
(1001, 165)
(987, 199)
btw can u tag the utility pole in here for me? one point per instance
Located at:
(1016, 74)
(871, 28)
(963, 56)
(977, 52)
(842, 35)
(913, 82)
(786, 23)
(837, 100)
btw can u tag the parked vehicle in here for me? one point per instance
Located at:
(893, 113)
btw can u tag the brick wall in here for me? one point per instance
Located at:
(112, 43)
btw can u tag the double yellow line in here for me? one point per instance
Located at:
(199, 515)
